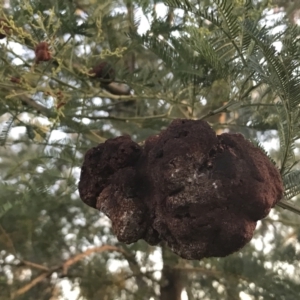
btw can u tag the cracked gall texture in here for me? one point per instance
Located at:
(200, 193)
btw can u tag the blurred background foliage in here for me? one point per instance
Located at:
(232, 63)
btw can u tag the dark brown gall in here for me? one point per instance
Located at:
(200, 193)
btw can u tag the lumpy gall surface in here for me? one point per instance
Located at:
(200, 193)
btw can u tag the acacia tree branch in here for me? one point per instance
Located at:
(33, 265)
(51, 114)
(31, 284)
(221, 109)
(64, 266)
(289, 206)
(28, 101)
(39, 107)
(162, 116)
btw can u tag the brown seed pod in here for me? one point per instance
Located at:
(199, 192)
(116, 88)
(4, 26)
(104, 71)
(15, 80)
(42, 52)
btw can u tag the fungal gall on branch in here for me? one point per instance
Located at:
(200, 193)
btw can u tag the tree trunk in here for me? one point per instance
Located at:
(171, 281)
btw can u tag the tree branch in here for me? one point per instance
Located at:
(63, 267)
(289, 206)
(88, 252)
(33, 265)
(31, 284)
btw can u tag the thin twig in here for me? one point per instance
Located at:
(33, 265)
(63, 267)
(216, 111)
(125, 119)
(88, 252)
(31, 284)
(289, 206)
